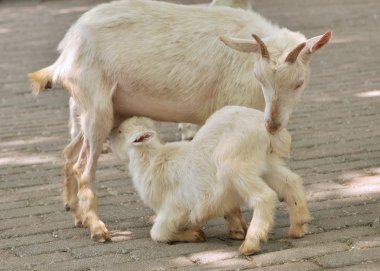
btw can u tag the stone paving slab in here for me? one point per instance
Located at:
(336, 148)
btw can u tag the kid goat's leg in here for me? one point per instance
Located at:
(237, 228)
(263, 200)
(289, 187)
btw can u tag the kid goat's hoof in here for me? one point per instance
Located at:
(198, 236)
(298, 231)
(193, 235)
(100, 233)
(237, 235)
(249, 248)
(152, 219)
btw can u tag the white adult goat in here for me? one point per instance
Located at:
(230, 161)
(166, 62)
(185, 130)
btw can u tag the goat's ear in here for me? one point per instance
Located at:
(316, 43)
(242, 45)
(143, 137)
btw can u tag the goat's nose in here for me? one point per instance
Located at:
(272, 127)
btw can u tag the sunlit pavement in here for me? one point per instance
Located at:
(336, 148)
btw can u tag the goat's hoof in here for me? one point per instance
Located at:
(297, 231)
(100, 233)
(152, 219)
(67, 207)
(101, 237)
(106, 148)
(249, 248)
(194, 235)
(199, 236)
(78, 223)
(237, 235)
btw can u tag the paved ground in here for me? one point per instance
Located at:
(336, 135)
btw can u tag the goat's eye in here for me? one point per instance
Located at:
(298, 85)
(119, 131)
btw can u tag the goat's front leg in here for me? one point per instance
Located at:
(237, 228)
(289, 187)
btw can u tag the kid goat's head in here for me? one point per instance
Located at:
(133, 132)
(282, 73)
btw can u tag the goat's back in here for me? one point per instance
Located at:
(235, 122)
(238, 130)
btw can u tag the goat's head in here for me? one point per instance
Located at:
(282, 75)
(187, 131)
(133, 132)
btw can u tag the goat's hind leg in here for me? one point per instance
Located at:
(289, 187)
(96, 124)
(237, 227)
(70, 188)
(73, 121)
(94, 138)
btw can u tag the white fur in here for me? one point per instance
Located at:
(187, 130)
(73, 122)
(166, 62)
(186, 183)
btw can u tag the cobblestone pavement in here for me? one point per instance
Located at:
(336, 148)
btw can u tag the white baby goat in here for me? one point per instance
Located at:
(230, 161)
(166, 62)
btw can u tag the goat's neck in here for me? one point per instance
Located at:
(140, 157)
(237, 76)
(140, 165)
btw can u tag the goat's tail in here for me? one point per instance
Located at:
(41, 80)
(280, 143)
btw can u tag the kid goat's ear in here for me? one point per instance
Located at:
(143, 137)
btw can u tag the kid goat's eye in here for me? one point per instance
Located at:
(119, 131)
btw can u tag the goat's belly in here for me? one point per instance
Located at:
(127, 104)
